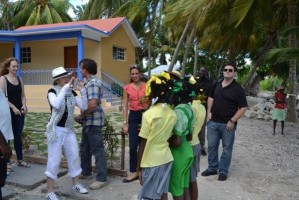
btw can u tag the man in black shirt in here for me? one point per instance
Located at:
(226, 104)
(205, 85)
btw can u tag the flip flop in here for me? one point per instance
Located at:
(22, 163)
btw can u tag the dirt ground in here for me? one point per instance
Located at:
(263, 166)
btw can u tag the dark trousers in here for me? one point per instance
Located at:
(202, 134)
(17, 123)
(92, 144)
(3, 169)
(134, 140)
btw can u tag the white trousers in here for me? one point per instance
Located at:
(67, 144)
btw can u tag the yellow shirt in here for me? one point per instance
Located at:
(156, 127)
(199, 112)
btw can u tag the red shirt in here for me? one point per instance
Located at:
(135, 97)
(280, 103)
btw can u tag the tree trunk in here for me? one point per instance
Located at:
(188, 45)
(195, 60)
(149, 61)
(291, 105)
(255, 85)
(176, 52)
(247, 83)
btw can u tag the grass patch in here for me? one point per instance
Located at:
(35, 125)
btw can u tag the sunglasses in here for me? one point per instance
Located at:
(134, 67)
(228, 70)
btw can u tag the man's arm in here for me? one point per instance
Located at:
(239, 114)
(209, 107)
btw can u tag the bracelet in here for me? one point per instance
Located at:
(124, 122)
(232, 121)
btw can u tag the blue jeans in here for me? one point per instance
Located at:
(17, 123)
(134, 140)
(92, 144)
(216, 132)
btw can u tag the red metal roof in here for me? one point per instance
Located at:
(105, 25)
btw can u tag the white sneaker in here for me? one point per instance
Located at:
(80, 188)
(51, 196)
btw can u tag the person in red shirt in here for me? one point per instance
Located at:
(279, 111)
(133, 101)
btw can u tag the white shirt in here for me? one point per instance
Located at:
(5, 117)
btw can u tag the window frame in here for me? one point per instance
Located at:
(119, 53)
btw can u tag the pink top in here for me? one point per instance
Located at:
(135, 97)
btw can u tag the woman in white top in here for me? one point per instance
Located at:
(5, 135)
(60, 131)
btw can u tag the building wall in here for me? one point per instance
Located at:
(47, 54)
(6, 50)
(93, 51)
(116, 68)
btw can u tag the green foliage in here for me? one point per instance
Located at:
(270, 84)
(111, 140)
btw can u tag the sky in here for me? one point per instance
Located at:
(76, 3)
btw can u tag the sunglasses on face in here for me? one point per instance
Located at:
(228, 70)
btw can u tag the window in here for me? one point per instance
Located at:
(118, 53)
(26, 55)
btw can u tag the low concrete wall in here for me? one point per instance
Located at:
(36, 97)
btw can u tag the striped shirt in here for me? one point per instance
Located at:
(93, 88)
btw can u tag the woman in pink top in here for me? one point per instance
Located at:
(133, 100)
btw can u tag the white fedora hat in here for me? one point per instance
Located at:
(59, 72)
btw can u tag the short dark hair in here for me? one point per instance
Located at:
(230, 64)
(89, 65)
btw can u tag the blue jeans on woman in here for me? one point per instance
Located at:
(17, 123)
(92, 144)
(216, 132)
(134, 140)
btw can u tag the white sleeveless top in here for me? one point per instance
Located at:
(5, 118)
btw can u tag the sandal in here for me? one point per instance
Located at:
(9, 168)
(22, 163)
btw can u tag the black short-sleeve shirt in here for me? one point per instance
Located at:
(62, 121)
(227, 101)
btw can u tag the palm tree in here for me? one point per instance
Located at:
(6, 15)
(34, 12)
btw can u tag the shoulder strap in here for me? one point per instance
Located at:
(5, 92)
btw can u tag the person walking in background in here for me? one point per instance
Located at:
(279, 111)
(199, 112)
(135, 102)
(226, 104)
(5, 135)
(155, 158)
(13, 87)
(60, 131)
(92, 121)
(204, 84)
